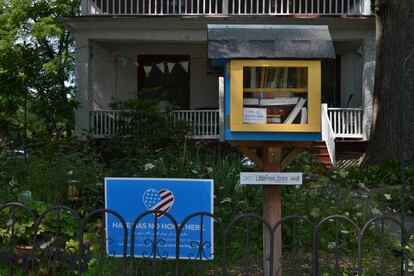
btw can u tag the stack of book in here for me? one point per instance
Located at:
(279, 109)
(275, 114)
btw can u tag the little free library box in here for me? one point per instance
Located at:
(272, 79)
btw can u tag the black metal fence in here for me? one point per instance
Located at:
(60, 242)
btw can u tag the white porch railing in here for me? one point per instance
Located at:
(346, 122)
(107, 123)
(204, 123)
(328, 134)
(336, 123)
(226, 7)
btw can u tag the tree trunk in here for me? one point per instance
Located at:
(395, 41)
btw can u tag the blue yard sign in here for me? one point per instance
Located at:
(130, 197)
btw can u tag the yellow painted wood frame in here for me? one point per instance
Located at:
(236, 96)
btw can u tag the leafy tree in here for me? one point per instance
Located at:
(395, 41)
(36, 69)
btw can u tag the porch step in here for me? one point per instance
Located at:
(348, 152)
(321, 154)
(324, 158)
(321, 150)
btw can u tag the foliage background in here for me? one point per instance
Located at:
(36, 71)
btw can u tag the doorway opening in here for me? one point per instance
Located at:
(167, 76)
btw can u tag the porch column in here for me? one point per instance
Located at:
(84, 7)
(369, 54)
(366, 7)
(82, 70)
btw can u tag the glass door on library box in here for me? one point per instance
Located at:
(275, 96)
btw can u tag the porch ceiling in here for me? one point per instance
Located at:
(200, 22)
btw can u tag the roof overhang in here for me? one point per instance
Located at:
(269, 42)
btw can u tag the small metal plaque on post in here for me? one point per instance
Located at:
(264, 178)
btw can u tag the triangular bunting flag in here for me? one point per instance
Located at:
(147, 70)
(136, 63)
(184, 65)
(124, 61)
(116, 58)
(161, 67)
(170, 66)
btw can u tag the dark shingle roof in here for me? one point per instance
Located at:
(270, 42)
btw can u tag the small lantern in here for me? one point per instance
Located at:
(73, 190)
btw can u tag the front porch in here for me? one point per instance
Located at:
(119, 72)
(119, 69)
(345, 123)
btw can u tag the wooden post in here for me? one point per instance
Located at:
(272, 210)
(271, 159)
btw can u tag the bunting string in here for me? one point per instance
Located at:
(163, 67)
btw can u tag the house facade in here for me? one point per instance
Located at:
(125, 46)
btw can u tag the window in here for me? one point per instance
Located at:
(275, 96)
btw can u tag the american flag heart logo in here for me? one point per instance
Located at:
(161, 200)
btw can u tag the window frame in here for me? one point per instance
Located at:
(236, 96)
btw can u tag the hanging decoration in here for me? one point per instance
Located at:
(161, 67)
(116, 58)
(147, 70)
(185, 65)
(170, 66)
(124, 61)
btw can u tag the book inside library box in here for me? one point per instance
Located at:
(275, 95)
